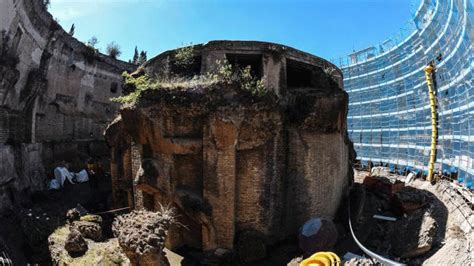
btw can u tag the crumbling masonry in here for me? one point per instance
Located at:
(234, 165)
(54, 98)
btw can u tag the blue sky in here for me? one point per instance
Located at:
(327, 28)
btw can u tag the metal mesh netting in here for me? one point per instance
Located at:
(389, 116)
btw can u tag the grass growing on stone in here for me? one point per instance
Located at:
(222, 74)
(91, 218)
(98, 253)
(107, 253)
(145, 82)
(59, 235)
(185, 56)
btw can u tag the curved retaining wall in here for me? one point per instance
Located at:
(61, 88)
(389, 111)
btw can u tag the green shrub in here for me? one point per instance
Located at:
(90, 54)
(113, 50)
(223, 73)
(250, 83)
(226, 74)
(184, 56)
(140, 84)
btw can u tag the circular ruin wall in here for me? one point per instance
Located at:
(232, 162)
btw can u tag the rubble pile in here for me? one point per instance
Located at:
(81, 242)
(89, 226)
(360, 262)
(411, 199)
(141, 235)
(457, 241)
(89, 230)
(75, 243)
(73, 215)
(391, 208)
(413, 221)
(419, 231)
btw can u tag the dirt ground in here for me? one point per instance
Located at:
(455, 245)
(425, 231)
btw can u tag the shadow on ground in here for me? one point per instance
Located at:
(25, 229)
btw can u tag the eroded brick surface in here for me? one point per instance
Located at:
(233, 163)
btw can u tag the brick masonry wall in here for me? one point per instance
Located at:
(56, 95)
(238, 167)
(318, 174)
(249, 172)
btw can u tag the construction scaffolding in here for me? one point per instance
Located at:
(389, 116)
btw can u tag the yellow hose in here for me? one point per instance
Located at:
(322, 259)
(429, 71)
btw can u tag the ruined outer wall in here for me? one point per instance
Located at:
(66, 81)
(313, 158)
(57, 94)
(236, 166)
(234, 169)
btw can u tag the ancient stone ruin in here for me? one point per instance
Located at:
(245, 141)
(236, 164)
(54, 105)
(54, 98)
(141, 235)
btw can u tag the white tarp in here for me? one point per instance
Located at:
(410, 177)
(380, 171)
(82, 176)
(61, 174)
(53, 184)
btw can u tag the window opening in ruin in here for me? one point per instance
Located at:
(187, 70)
(243, 60)
(17, 39)
(55, 105)
(146, 151)
(113, 87)
(148, 201)
(298, 74)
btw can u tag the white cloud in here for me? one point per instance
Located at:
(70, 10)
